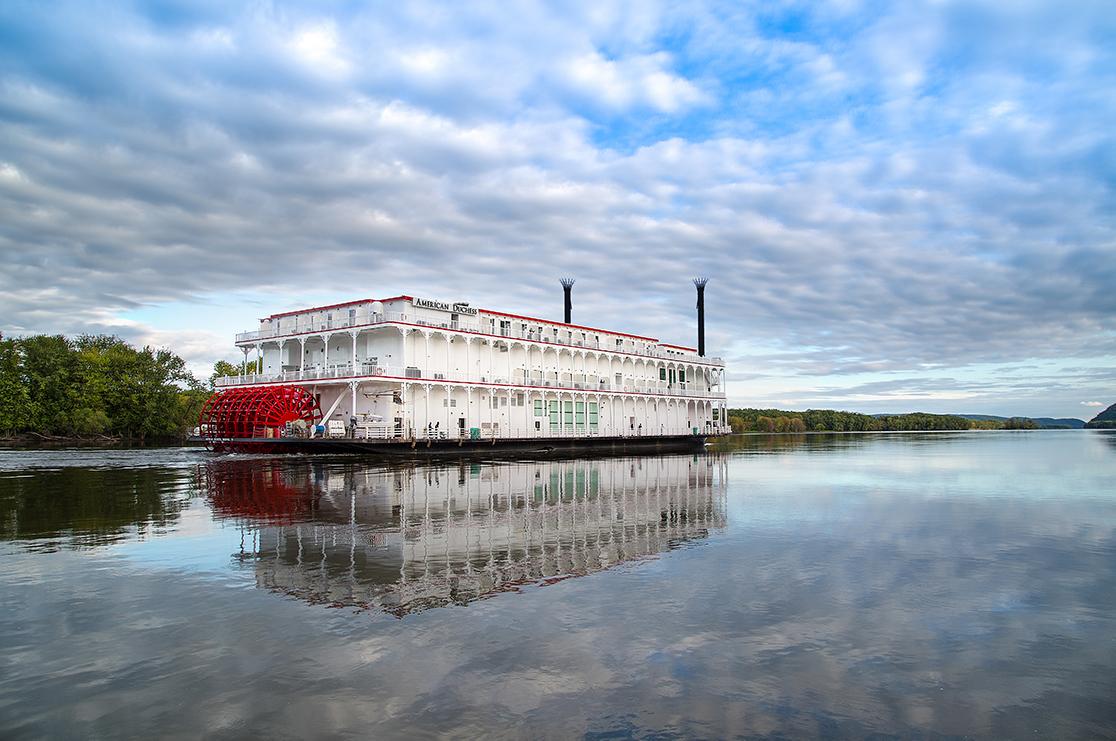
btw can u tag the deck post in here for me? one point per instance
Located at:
(469, 411)
(449, 396)
(426, 394)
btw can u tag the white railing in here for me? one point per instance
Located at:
(300, 326)
(391, 432)
(365, 319)
(344, 371)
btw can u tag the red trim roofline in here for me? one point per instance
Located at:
(482, 311)
(337, 306)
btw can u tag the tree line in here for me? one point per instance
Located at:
(829, 420)
(95, 385)
(1106, 420)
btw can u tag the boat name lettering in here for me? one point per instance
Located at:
(458, 308)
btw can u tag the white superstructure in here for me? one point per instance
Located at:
(423, 368)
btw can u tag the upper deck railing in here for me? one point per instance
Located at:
(364, 319)
(346, 371)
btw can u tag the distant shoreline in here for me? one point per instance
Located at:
(751, 419)
(753, 433)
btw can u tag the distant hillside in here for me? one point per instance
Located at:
(830, 420)
(1046, 423)
(1104, 420)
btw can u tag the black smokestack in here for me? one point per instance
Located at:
(567, 285)
(700, 283)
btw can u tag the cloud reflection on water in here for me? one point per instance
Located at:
(913, 586)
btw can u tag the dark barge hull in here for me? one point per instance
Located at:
(505, 447)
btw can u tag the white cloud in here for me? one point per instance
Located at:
(856, 220)
(426, 61)
(1092, 403)
(10, 172)
(621, 84)
(318, 46)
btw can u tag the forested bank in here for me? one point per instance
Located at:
(829, 420)
(1106, 420)
(95, 386)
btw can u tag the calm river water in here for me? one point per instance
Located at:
(935, 585)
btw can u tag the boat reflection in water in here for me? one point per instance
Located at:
(401, 540)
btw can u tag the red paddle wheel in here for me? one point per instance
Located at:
(232, 418)
(259, 490)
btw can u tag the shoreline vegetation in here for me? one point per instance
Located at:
(100, 389)
(829, 420)
(1106, 420)
(96, 389)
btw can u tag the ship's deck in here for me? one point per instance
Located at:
(503, 447)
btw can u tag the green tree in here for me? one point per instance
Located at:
(829, 420)
(94, 384)
(15, 402)
(48, 372)
(225, 368)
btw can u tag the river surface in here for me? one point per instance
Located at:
(837, 586)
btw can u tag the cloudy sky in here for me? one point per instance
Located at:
(901, 205)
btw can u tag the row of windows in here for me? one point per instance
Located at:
(580, 377)
(569, 414)
(517, 400)
(680, 376)
(503, 347)
(537, 332)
